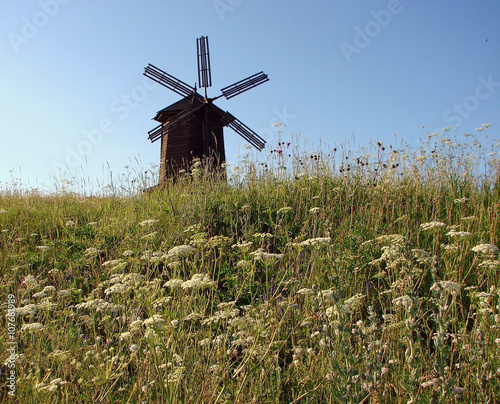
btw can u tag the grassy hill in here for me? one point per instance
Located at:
(321, 278)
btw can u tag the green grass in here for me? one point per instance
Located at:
(308, 278)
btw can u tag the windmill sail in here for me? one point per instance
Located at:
(244, 131)
(246, 84)
(169, 81)
(204, 75)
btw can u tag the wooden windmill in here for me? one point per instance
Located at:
(193, 127)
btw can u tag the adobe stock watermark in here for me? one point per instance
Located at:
(463, 110)
(222, 7)
(364, 36)
(122, 108)
(11, 346)
(31, 27)
(283, 117)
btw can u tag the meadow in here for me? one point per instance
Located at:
(339, 276)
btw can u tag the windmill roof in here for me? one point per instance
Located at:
(168, 112)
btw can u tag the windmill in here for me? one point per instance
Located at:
(193, 126)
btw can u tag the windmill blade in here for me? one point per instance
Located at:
(244, 131)
(204, 75)
(156, 133)
(246, 84)
(169, 81)
(181, 116)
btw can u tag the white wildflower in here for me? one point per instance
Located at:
(148, 222)
(42, 247)
(180, 251)
(173, 283)
(432, 225)
(314, 210)
(485, 249)
(30, 282)
(32, 327)
(449, 286)
(157, 320)
(458, 234)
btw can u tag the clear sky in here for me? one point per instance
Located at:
(73, 93)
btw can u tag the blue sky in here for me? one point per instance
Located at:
(73, 93)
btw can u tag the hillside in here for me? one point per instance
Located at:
(335, 277)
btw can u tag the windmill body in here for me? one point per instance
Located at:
(193, 127)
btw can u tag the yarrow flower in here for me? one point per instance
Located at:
(449, 286)
(458, 234)
(180, 251)
(199, 281)
(148, 222)
(432, 225)
(485, 249)
(32, 327)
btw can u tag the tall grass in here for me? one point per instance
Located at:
(329, 277)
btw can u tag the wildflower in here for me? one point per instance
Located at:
(29, 309)
(405, 301)
(306, 291)
(193, 317)
(134, 348)
(261, 255)
(30, 282)
(263, 235)
(490, 264)
(173, 283)
(431, 225)
(70, 223)
(195, 228)
(314, 210)
(315, 242)
(91, 252)
(243, 246)
(461, 200)
(219, 242)
(174, 323)
(32, 327)
(180, 251)
(485, 249)
(431, 383)
(125, 335)
(353, 303)
(449, 286)
(42, 247)
(199, 281)
(148, 222)
(458, 234)
(49, 289)
(157, 320)
(39, 295)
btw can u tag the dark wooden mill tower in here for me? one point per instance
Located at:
(193, 127)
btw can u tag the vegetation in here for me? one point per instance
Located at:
(313, 277)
